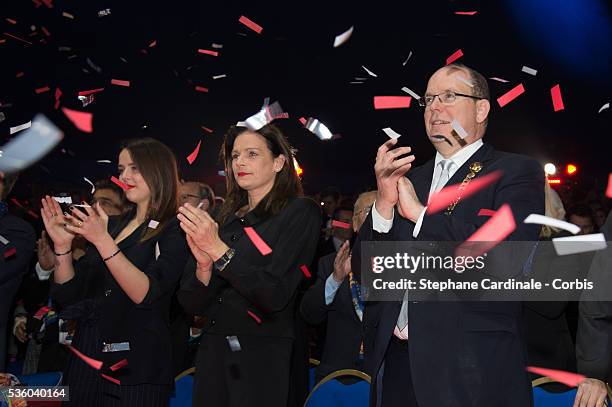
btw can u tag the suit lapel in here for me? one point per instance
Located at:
(422, 181)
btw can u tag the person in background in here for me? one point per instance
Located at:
(336, 297)
(197, 194)
(17, 242)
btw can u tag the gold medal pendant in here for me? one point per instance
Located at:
(475, 168)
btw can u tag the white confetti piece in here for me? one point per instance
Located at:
(462, 79)
(406, 61)
(216, 46)
(68, 15)
(221, 173)
(356, 82)
(103, 13)
(369, 72)
(604, 107)
(157, 251)
(342, 38)
(498, 79)
(63, 199)
(93, 188)
(529, 70)
(410, 92)
(391, 133)
(104, 161)
(3, 240)
(30, 146)
(153, 224)
(318, 129)
(15, 129)
(219, 76)
(579, 244)
(460, 130)
(548, 221)
(265, 116)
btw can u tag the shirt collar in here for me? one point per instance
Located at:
(461, 156)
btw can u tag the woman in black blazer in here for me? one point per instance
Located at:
(119, 291)
(248, 294)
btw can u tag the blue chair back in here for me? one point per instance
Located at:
(330, 392)
(41, 379)
(183, 390)
(543, 398)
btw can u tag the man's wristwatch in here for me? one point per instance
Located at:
(224, 260)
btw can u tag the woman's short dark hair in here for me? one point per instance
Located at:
(286, 184)
(157, 164)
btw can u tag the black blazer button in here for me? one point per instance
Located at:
(234, 238)
(220, 300)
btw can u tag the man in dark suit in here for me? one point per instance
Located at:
(334, 297)
(435, 354)
(17, 240)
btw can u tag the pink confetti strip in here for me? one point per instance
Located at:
(17, 38)
(255, 317)
(486, 212)
(490, 234)
(305, 271)
(512, 94)
(609, 189)
(555, 93)
(45, 31)
(466, 13)
(495, 78)
(19, 74)
(81, 120)
(201, 89)
(120, 82)
(449, 194)
(192, 157)
(262, 246)
(120, 184)
(208, 52)
(303, 121)
(206, 129)
(251, 24)
(455, 56)
(10, 20)
(111, 379)
(391, 102)
(568, 378)
(153, 44)
(33, 214)
(122, 363)
(40, 90)
(89, 92)
(96, 364)
(339, 224)
(10, 252)
(58, 95)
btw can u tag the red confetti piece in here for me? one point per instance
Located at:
(255, 317)
(303, 121)
(208, 52)
(153, 43)
(89, 92)
(33, 214)
(43, 89)
(111, 379)
(81, 120)
(486, 212)
(10, 20)
(48, 3)
(120, 82)
(455, 56)
(17, 38)
(44, 30)
(206, 129)
(466, 13)
(96, 364)
(251, 24)
(490, 234)
(568, 378)
(448, 195)
(391, 102)
(16, 202)
(192, 157)
(2, 40)
(58, 95)
(201, 89)
(19, 74)
(557, 100)
(121, 185)
(262, 246)
(512, 94)
(42, 311)
(609, 189)
(37, 3)
(305, 271)
(339, 224)
(10, 252)
(119, 365)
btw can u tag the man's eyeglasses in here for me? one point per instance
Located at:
(447, 97)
